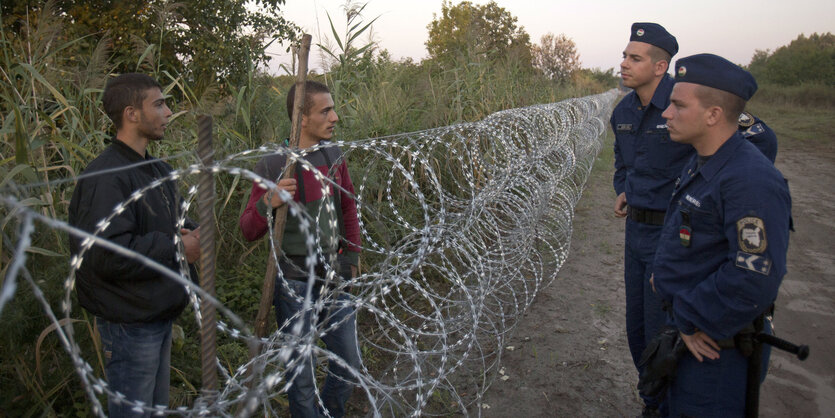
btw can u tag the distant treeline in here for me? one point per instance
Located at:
(806, 60)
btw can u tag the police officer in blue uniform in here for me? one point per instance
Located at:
(647, 163)
(722, 251)
(756, 131)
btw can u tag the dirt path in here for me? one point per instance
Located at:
(570, 356)
(806, 304)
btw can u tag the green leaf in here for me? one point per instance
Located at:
(148, 50)
(364, 28)
(43, 251)
(327, 51)
(335, 35)
(55, 93)
(21, 147)
(23, 169)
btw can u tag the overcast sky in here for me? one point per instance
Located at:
(600, 28)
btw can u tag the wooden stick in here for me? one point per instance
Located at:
(261, 320)
(206, 196)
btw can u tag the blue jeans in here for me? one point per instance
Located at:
(644, 313)
(138, 364)
(341, 341)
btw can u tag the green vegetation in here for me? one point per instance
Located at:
(205, 49)
(797, 88)
(805, 113)
(556, 57)
(796, 96)
(804, 61)
(51, 125)
(477, 33)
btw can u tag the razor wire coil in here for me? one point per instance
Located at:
(464, 224)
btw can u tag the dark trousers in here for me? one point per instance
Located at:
(644, 313)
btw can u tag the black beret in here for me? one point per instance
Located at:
(714, 71)
(654, 34)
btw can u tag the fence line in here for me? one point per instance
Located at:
(461, 228)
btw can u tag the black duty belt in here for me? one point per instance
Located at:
(645, 216)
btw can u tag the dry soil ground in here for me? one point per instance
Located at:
(570, 356)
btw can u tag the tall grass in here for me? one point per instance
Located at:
(52, 126)
(803, 95)
(805, 112)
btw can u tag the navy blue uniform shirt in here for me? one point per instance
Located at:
(722, 252)
(647, 162)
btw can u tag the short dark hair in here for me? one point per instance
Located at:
(125, 90)
(310, 88)
(658, 54)
(731, 104)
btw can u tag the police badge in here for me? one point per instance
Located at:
(746, 120)
(751, 235)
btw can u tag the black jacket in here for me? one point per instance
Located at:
(116, 287)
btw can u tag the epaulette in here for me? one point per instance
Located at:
(746, 120)
(753, 130)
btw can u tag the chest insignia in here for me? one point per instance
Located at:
(662, 126)
(684, 230)
(624, 127)
(751, 235)
(684, 233)
(695, 202)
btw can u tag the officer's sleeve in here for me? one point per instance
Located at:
(619, 181)
(764, 138)
(756, 212)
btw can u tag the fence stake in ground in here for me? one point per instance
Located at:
(206, 199)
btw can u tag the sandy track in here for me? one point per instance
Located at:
(570, 356)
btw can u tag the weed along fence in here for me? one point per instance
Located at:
(461, 227)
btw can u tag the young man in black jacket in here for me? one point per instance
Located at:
(134, 304)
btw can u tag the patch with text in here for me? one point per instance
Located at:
(751, 235)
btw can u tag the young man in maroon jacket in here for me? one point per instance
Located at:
(334, 233)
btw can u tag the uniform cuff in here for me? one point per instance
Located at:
(685, 327)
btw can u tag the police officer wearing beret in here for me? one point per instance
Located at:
(647, 163)
(722, 251)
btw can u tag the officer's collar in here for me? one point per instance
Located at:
(722, 155)
(661, 97)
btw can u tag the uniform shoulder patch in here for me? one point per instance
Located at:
(753, 262)
(750, 232)
(753, 130)
(746, 120)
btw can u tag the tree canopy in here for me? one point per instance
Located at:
(556, 57)
(805, 60)
(476, 32)
(206, 41)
